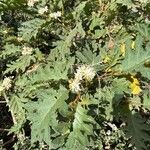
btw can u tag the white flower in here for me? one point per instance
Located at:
(55, 14)
(83, 72)
(26, 50)
(6, 83)
(87, 72)
(32, 2)
(43, 10)
(75, 86)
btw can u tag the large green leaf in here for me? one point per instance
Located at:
(52, 72)
(145, 71)
(16, 107)
(138, 130)
(30, 29)
(146, 100)
(10, 50)
(135, 58)
(20, 64)
(79, 9)
(144, 30)
(43, 113)
(82, 127)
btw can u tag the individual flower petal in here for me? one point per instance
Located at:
(123, 49)
(133, 45)
(135, 86)
(135, 89)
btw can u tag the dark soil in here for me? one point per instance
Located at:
(7, 140)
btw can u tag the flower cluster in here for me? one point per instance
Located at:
(55, 15)
(32, 2)
(41, 11)
(86, 72)
(26, 50)
(6, 84)
(83, 72)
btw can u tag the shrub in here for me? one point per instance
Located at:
(76, 73)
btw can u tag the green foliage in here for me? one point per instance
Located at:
(43, 114)
(29, 29)
(137, 57)
(139, 130)
(76, 73)
(10, 50)
(20, 64)
(82, 127)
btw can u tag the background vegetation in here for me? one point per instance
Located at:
(75, 74)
